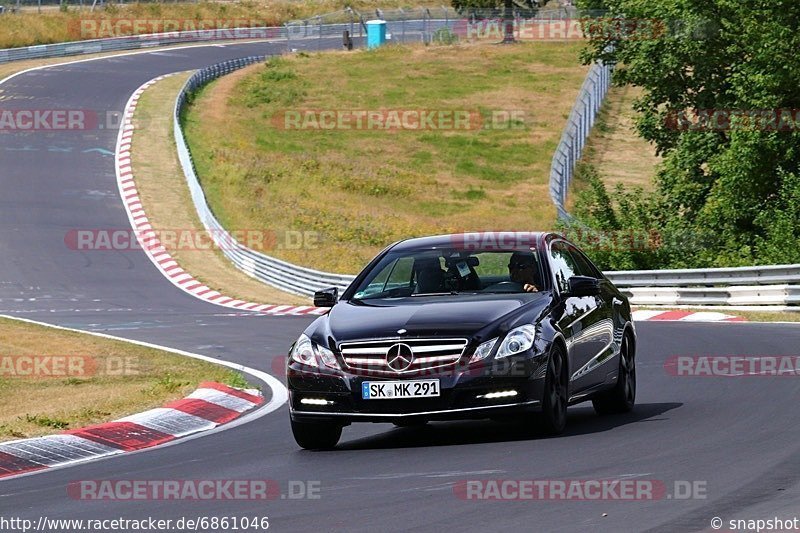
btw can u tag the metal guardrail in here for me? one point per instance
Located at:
(756, 296)
(580, 122)
(738, 276)
(740, 286)
(285, 276)
(116, 44)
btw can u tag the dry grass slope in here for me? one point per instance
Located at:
(615, 149)
(362, 189)
(168, 204)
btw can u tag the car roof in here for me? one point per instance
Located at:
(477, 239)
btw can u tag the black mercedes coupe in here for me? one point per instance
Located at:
(508, 325)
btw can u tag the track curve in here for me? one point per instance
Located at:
(739, 436)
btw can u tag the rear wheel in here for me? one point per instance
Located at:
(316, 435)
(622, 397)
(554, 402)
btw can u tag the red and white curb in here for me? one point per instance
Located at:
(152, 245)
(211, 405)
(644, 315)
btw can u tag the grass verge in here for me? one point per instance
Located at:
(768, 316)
(109, 379)
(356, 190)
(168, 204)
(615, 149)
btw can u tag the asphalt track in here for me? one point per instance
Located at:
(739, 436)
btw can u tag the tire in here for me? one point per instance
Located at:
(316, 435)
(622, 397)
(553, 418)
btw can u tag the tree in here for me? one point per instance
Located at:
(495, 8)
(733, 187)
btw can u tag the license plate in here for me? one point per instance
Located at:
(391, 390)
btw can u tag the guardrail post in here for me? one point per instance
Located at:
(426, 26)
(351, 23)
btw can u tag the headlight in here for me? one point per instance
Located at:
(518, 340)
(483, 351)
(328, 359)
(305, 352)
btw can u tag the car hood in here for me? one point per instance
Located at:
(462, 315)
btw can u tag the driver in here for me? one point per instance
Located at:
(522, 270)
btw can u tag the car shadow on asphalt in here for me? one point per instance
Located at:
(581, 420)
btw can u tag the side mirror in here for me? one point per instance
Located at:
(583, 286)
(326, 297)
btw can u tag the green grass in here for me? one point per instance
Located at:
(362, 189)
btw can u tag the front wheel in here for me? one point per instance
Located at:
(554, 402)
(622, 397)
(316, 435)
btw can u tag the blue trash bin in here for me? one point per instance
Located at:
(376, 33)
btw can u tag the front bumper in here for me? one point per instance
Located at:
(338, 394)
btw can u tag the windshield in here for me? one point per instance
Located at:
(446, 272)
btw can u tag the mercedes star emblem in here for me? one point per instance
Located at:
(399, 357)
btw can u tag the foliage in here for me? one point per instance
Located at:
(733, 190)
(493, 8)
(445, 36)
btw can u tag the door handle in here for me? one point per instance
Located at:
(616, 301)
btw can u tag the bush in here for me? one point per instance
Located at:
(444, 36)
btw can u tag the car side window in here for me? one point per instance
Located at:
(583, 266)
(564, 266)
